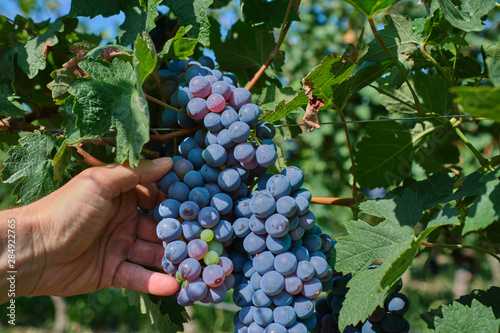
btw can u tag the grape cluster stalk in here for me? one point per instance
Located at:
(228, 223)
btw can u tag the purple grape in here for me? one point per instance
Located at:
(176, 251)
(212, 121)
(249, 113)
(197, 249)
(215, 155)
(200, 86)
(240, 97)
(168, 230)
(266, 155)
(244, 152)
(189, 269)
(216, 102)
(197, 108)
(196, 290)
(221, 88)
(189, 210)
(213, 275)
(239, 131)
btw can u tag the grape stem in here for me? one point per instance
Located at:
(333, 201)
(461, 246)
(285, 26)
(165, 105)
(87, 158)
(165, 137)
(20, 26)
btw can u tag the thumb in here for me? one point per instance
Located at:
(115, 178)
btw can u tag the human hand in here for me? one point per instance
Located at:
(89, 235)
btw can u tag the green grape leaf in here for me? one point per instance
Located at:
(493, 234)
(488, 298)
(268, 15)
(371, 7)
(30, 163)
(31, 56)
(9, 103)
(144, 59)
(405, 209)
(273, 102)
(245, 48)
(163, 311)
(469, 16)
(282, 108)
(112, 98)
(137, 19)
(193, 13)
(63, 79)
(399, 38)
(434, 190)
(448, 215)
(483, 101)
(486, 206)
(383, 155)
(493, 63)
(364, 245)
(179, 47)
(461, 318)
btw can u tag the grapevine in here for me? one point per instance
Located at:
(294, 231)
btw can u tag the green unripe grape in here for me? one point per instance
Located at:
(211, 258)
(207, 235)
(216, 246)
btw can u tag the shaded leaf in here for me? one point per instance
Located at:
(9, 103)
(179, 47)
(483, 101)
(137, 19)
(371, 7)
(144, 56)
(405, 209)
(486, 207)
(383, 155)
(193, 13)
(63, 79)
(163, 311)
(399, 38)
(268, 15)
(469, 16)
(31, 56)
(273, 104)
(245, 48)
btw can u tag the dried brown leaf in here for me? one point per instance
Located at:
(108, 53)
(46, 46)
(311, 116)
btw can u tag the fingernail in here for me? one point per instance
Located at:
(162, 160)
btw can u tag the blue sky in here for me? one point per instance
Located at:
(108, 26)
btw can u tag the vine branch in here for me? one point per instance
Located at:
(284, 30)
(333, 201)
(461, 246)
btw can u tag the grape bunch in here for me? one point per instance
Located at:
(211, 173)
(281, 257)
(389, 318)
(218, 236)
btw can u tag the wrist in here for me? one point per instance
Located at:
(20, 262)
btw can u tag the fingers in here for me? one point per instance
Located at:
(135, 277)
(146, 253)
(146, 230)
(114, 178)
(148, 195)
